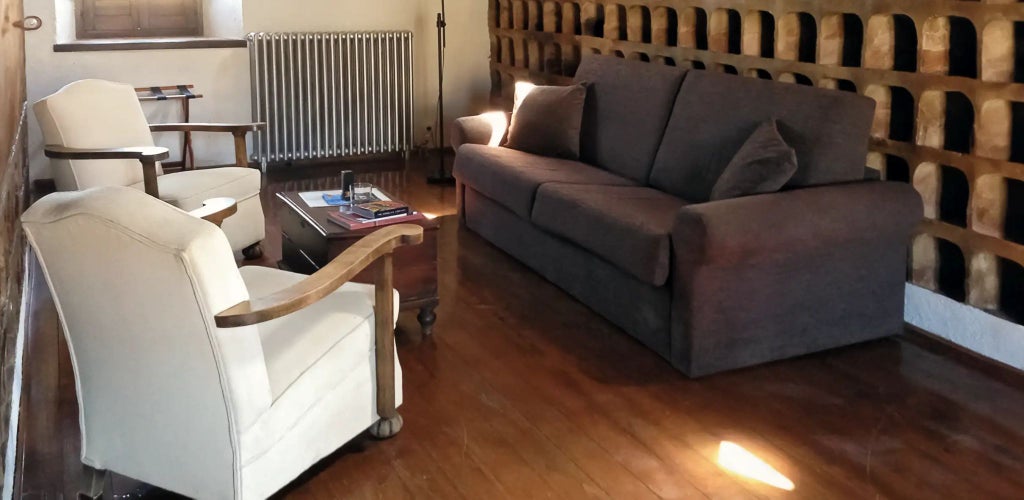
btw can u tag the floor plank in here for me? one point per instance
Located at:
(525, 393)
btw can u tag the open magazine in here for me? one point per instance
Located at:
(319, 199)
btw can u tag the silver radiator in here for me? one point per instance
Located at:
(331, 95)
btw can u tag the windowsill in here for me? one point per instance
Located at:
(148, 44)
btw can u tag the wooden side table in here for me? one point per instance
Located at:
(309, 241)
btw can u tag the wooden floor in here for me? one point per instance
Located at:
(525, 393)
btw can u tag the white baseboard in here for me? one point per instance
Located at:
(966, 326)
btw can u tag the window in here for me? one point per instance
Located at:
(138, 18)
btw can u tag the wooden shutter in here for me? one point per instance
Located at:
(169, 17)
(139, 18)
(105, 18)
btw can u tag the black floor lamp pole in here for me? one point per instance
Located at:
(442, 176)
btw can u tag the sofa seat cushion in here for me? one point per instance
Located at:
(188, 190)
(512, 177)
(628, 226)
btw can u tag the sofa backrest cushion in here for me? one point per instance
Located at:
(716, 113)
(628, 105)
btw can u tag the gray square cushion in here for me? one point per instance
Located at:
(512, 177)
(716, 113)
(628, 105)
(547, 121)
(627, 226)
(763, 165)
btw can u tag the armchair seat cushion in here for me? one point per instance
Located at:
(320, 362)
(512, 177)
(294, 343)
(629, 227)
(188, 190)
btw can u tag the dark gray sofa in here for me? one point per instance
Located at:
(711, 286)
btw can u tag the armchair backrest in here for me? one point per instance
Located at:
(163, 393)
(94, 114)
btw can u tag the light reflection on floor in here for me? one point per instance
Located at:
(734, 458)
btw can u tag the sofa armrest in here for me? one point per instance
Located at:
(488, 129)
(770, 277)
(777, 225)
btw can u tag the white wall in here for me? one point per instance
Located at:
(222, 75)
(961, 324)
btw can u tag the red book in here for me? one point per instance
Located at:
(353, 222)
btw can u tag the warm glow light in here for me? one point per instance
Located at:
(734, 458)
(429, 215)
(499, 125)
(523, 89)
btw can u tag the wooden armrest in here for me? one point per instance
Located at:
(143, 153)
(147, 156)
(377, 247)
(234, 128)
(215, 210)
(339, 271)
(239, 130)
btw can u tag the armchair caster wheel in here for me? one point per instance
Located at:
(386, 427)
(427, 317)
(253, 252)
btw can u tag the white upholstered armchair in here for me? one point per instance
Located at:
(97, 135)
(202, 378)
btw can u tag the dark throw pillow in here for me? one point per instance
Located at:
(547, 121)
(763, 165)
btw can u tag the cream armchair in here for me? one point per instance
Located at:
(97, 135)
(202, 378)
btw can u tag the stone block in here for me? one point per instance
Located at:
(883, 110)
(552, 17)
(994, 129)
(751, 41)
(924, 260)
(830, 49)
(880, 43)
(983, 280)
(997, 51)
(935, 46)
(718, 31)
(689, 18)
(931, 119)
(988, 205)
(927, 180)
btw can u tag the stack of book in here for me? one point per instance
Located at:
(375, 214)
(380, 209)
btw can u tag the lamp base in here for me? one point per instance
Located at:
(441, 180)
